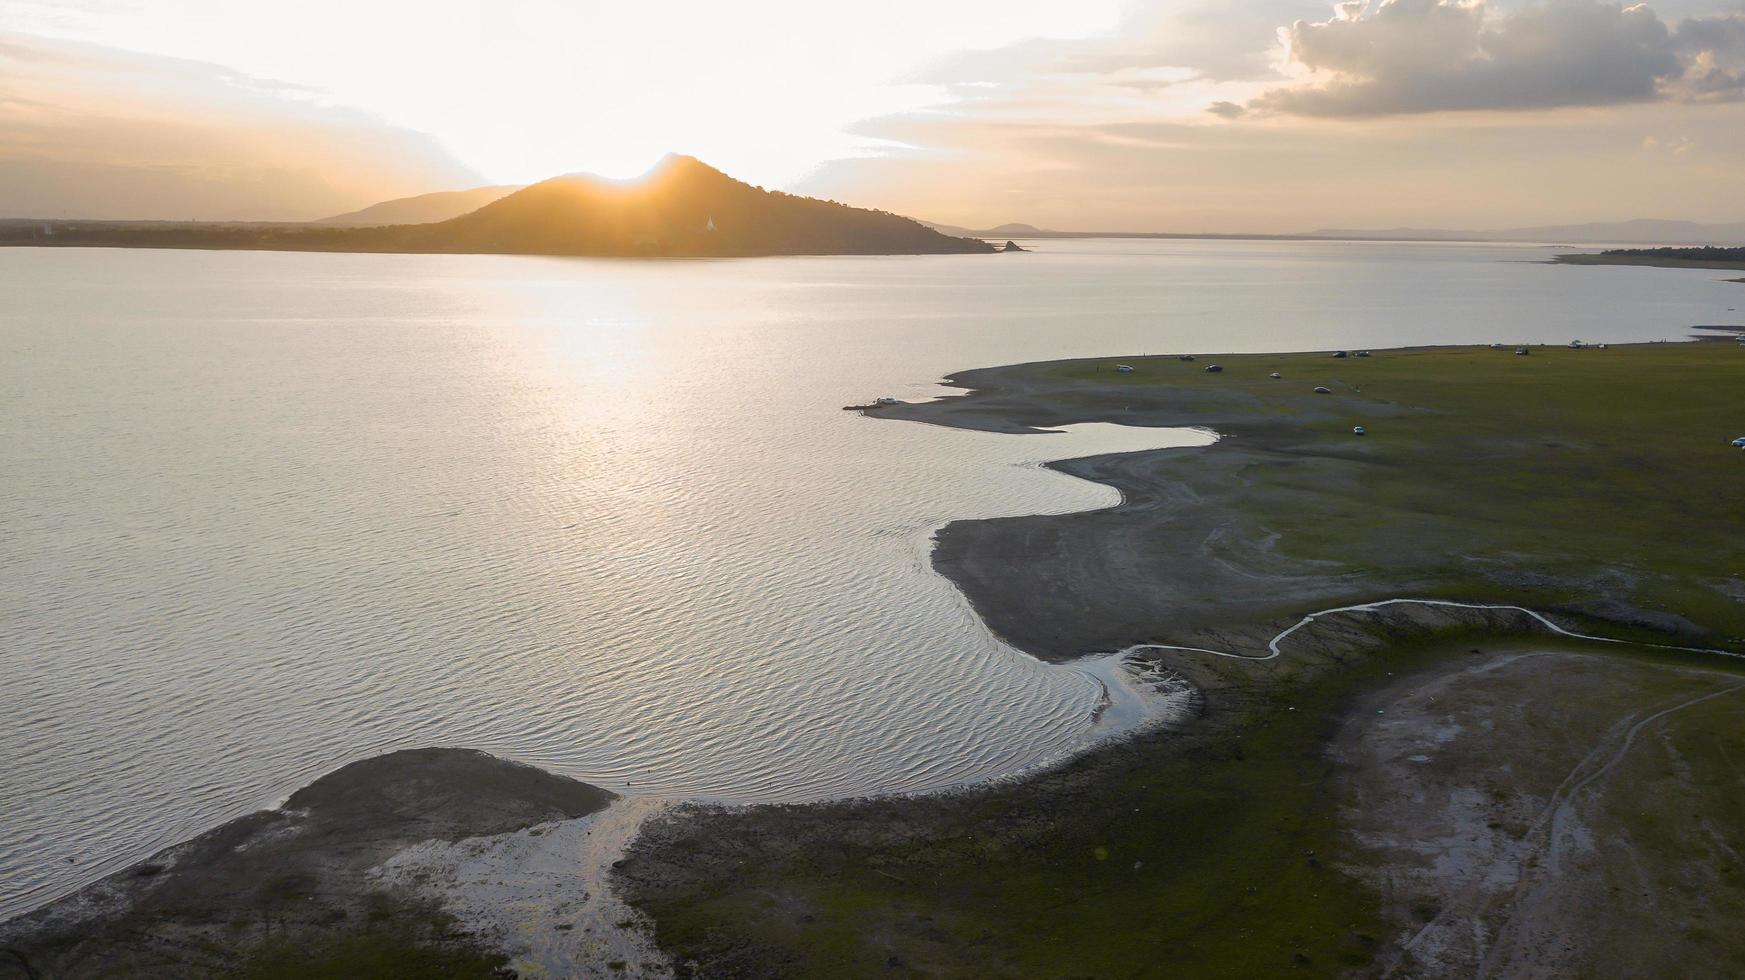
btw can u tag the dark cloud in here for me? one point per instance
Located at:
(1715, 49)
(1417, 56)
(1228, 110)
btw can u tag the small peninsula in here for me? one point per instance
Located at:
(1587, 456)
(1704, 257)
(682, 209)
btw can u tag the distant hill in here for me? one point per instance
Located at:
(684, 208)
(422, 209)
(1644, 231)
(956, 231)
(1003, 231)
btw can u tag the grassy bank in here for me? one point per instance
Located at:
(1529, 472)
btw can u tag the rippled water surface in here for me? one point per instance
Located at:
(263, 514)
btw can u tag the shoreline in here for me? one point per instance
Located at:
(1231, 846)
(1080, 592)
(782, 889)
(1126, 697)
(1127, 703)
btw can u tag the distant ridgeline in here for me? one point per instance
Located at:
(684, 208)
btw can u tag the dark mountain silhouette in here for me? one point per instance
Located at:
(422, 209)
(682, 208)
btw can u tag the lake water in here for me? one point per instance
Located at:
(263, 514)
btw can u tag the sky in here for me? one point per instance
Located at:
(1119, 115)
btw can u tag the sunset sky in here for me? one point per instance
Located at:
(1198, 115)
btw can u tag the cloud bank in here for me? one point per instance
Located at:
(1415, 112)
(1420, 56)
(90, 131)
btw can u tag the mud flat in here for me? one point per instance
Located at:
(301, 890)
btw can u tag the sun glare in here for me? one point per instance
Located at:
(534, 88)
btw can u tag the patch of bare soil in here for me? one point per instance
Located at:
(542, 895)
(1536, 813)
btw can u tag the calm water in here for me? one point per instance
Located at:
(263, 514)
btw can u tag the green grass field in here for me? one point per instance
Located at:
(1554, 470)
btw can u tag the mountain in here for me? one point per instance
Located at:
(684, 208)
(423, 209)
(1003, 231)
(1646, 231)
(956, 231)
